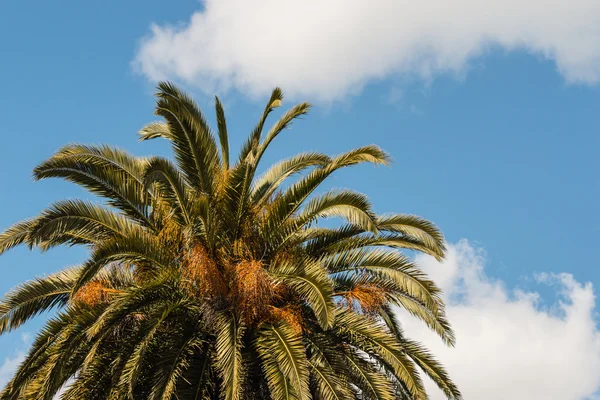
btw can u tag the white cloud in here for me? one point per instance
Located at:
(325, 50)
(10, 364)
(511, 344)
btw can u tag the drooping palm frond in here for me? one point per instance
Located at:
(16, 235)
(34, 297)
(77, 222)
(286, 367)
(105, 171)
(310, 281)
(270, 181)
(205, 281)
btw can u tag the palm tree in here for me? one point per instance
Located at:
(207, 281)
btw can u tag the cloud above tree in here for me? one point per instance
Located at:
(326, 50)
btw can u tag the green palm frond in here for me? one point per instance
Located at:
(77, 222)
(105, 171)
(270, 181)
(133, 367)
(284, 122)
(291, 199)
(36, 355)
(152, 295)
(311, 282)
(202, 384)
(372, 384)
(282, 346)
(435, 321)
(16, 234)
(390, 265)
(229, 355)
(34, 297)
(193, 141)
(223, 136)
(352, 206)
(391, 240)
(172, 367)
(425, 360)
(137, 246)
(251, 145)
(171, 185)
(329, 386)
(373, 338)
(155, 130)
(415, 227)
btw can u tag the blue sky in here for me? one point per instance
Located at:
(499, 147)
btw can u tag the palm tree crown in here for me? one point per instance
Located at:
(207, 281)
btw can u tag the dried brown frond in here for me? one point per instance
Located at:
(370, 298)
(201, 274)
(291, 314)
(93, 293)
(252, 290)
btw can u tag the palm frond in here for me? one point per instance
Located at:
(171, 186)
(310, 281)
(229, 355)
(372, 383)
(270, 181)
(155, 130)
(16, 234)
(415, 227)
(425, 360)
(373, 338)
(223, 136)
(34, 297)
(105, 171)
(77, 222)
(282, 352)
(391, 265)
(251, 145)
(138, 246)
(133, 367)
(329, 385)
(291, 199)
(284, 122)
(352, 206)
(172, 366)
(193, 141)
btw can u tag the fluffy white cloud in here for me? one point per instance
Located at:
(325, 50)
(510, 344)
(10, 364)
